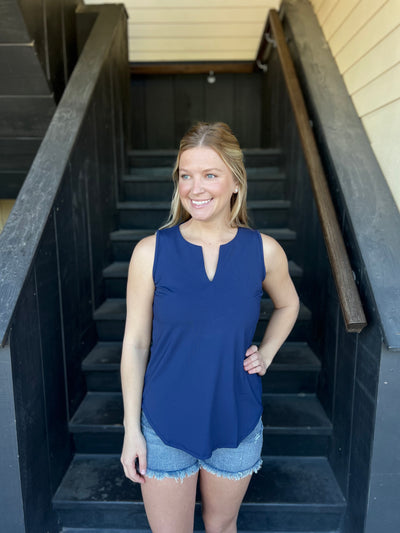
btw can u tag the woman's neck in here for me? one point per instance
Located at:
(207, 233)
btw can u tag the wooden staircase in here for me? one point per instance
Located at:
(295, 490)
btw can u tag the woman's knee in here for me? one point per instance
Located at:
(215, 522)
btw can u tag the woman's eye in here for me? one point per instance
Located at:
(184, 176)
(210, 176)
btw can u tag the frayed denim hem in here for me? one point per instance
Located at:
(232, 475)
(178, 475)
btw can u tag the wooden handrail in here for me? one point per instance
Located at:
(349, 297)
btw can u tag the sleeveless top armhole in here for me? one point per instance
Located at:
(156, 254)
(261, 248)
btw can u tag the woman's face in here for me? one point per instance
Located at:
(205, 185)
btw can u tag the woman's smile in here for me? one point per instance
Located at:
(200, 203)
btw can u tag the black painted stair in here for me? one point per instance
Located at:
(124, 240)
(293, 423)
(295, 491)
(115, 277)
(113, 530)
(96, 492)
(266, 158)
(154, 183)
(293, 371)
(138, 215)
(110, 319)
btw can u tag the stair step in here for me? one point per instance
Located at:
(115, 277)
(124, 240)
(110, 320)
(102, 411)
(152, 158)
(149, 174)
(293, 424)
(294, 369)
(155, 183)
(262, 213)
(109, 530)
(101, 530)
(159, 174)
(253, 157)
(119, 269)
(288, 493)
(300, 331)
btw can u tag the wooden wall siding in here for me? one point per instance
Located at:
(53, 253)
(51, 28)
(43, 29)
(197, 30)
(21, 81)
(364, 37)
(25, 116)
(37, 55)
(163, 107)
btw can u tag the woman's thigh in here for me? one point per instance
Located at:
(169, 490)
(170, 504)
(224, 479)
(221, 499)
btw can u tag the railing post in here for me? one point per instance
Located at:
(12, 506)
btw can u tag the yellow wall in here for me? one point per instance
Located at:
(5, 209)
(364, 37)
(195, 30)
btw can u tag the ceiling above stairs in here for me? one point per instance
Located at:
(194, 30)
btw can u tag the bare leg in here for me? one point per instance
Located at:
(221, 499)
(170, 504)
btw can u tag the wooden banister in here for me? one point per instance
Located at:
(349, 297)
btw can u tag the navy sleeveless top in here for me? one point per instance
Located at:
(197, 395)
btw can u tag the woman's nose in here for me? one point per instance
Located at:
(197, 185)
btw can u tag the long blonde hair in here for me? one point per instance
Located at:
(219, 137)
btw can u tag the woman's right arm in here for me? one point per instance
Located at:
(135, 353)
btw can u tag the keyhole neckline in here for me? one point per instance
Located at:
(200, 248)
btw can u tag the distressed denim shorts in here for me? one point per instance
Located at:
(164, 461)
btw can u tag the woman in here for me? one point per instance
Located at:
(193, 409)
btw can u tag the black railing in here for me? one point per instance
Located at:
(53, 249)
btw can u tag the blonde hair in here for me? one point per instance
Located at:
(220, 138)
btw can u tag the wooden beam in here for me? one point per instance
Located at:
(194, 67)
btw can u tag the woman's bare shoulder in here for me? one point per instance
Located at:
(270, 245)
(274, 255)
(147, 244)
(143, 253)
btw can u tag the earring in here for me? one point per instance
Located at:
(236, 190)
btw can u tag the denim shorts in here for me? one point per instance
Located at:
(164, 461)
